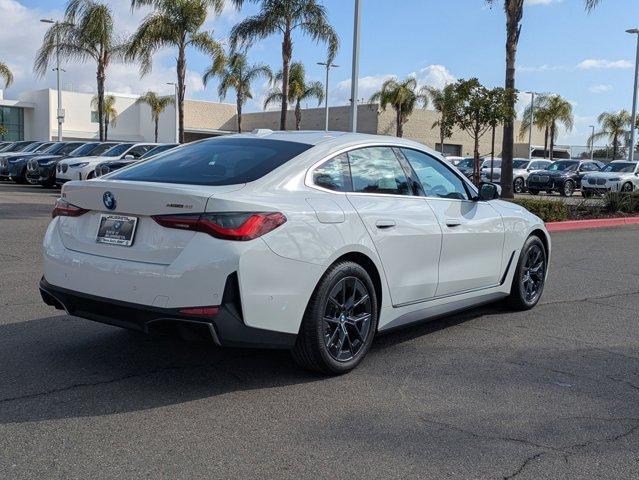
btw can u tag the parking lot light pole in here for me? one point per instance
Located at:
(177, 121)
(633, 125)
(530, 128)
(355, 75)
(328, 66)
(592, 143)
(59, 113)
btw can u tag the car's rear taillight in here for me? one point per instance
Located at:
(228, 226)
(63, 208)
(200, 311)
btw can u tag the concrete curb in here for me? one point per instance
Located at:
(588, 224)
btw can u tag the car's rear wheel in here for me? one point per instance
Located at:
(626, 187)
(530, 276)
(340, 321)
(518, 185)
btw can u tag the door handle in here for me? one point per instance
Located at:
(385, 224)
(453, 223)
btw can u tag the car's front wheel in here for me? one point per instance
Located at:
(530, 276)
(568, 189)
(518, 185)
(626, 187)
(340, 321)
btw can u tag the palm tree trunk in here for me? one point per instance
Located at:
(615, 142)
(101, 79)
(552, 142)
(181, 74)
(545, 141)
(400, 125)
(239, 112)
(157, 121)
(106, 128)
(514, 12)
(298, 115)
(287, 54)
(441, 140)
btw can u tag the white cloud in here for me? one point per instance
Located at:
(541, 2)
(591, 64)
(600, 88)
(541, 68)
(436, 76)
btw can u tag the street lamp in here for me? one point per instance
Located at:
(634, 31)
(355, 75)
(177, 120)
(328, 66)
(60, 112)
(592, 143)
(530, 128)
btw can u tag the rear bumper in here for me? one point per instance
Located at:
(227, 328)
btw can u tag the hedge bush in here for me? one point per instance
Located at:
(547, 210)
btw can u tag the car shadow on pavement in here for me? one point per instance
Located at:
(64, 367)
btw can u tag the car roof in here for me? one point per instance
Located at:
(308, 137)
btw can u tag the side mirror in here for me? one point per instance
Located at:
(489, 191)
(129, 157)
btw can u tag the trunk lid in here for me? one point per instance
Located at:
(152, 243)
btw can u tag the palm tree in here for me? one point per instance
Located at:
(175, 23)
(298, 91)
(403, 97)
(558, 112)
(613, 126)
(286, 16)
(6, 75)
(87, 33)
(110, 113)
(238, 75)
(157, 104)
(444, 102)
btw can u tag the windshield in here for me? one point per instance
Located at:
(83, 150)
(561, 166)
(466, 163)
(156, 150)
(33, 147)
(6, 147)
(117, 150)
(623, 167)
(100, 148)
(68, 148)
(496, 163)
(21, 146)
(221, 161)
(520, 164)
(43, 147)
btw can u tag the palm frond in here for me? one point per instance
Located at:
(6, 74)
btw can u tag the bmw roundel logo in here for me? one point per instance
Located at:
(109, 200)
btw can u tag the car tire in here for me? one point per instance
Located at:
(22, 178)
(533, 191)
(345, 295)
(567, 189)
(530, 275)
(518, 185)
(626, 187)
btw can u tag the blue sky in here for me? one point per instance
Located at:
(587, 58)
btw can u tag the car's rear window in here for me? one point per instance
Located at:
(221, 161)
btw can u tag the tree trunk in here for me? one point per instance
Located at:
(157, 121)
(101, 79)
(476, 162)
(615, 143)
(287, 54)
(441, 140)
(400, 124)
(240, 100)
(106, 128)
(181, 73)
(552, 142)
(492, 153)
(514, 12)
(545, 141)
(298, 115)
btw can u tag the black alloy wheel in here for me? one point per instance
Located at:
(530, 276)
(518, 186)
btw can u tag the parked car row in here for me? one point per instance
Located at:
(563, 176)
(54, 163)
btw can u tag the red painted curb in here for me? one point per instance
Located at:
(587, 224)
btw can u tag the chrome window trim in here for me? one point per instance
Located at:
(308, 177)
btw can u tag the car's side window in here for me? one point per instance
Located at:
(333, 175)
(588, 167)
(138, 151)
(377, 170)
(437, 180)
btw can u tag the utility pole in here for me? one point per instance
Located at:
(328, 66)
(355, 75)
(60, 112)
(175, 104)
(633, 125)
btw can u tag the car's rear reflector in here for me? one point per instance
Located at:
(200, 311)
(239, 226)
(63, 208)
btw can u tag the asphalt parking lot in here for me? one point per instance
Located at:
(552, 393)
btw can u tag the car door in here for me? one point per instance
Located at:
(584, 168)
(472, 231)
(403, 227)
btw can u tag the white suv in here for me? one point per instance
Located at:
(617, 176)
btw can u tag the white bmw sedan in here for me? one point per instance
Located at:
(302, 240)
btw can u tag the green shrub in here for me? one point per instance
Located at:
(547, 210)
(615, 202)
